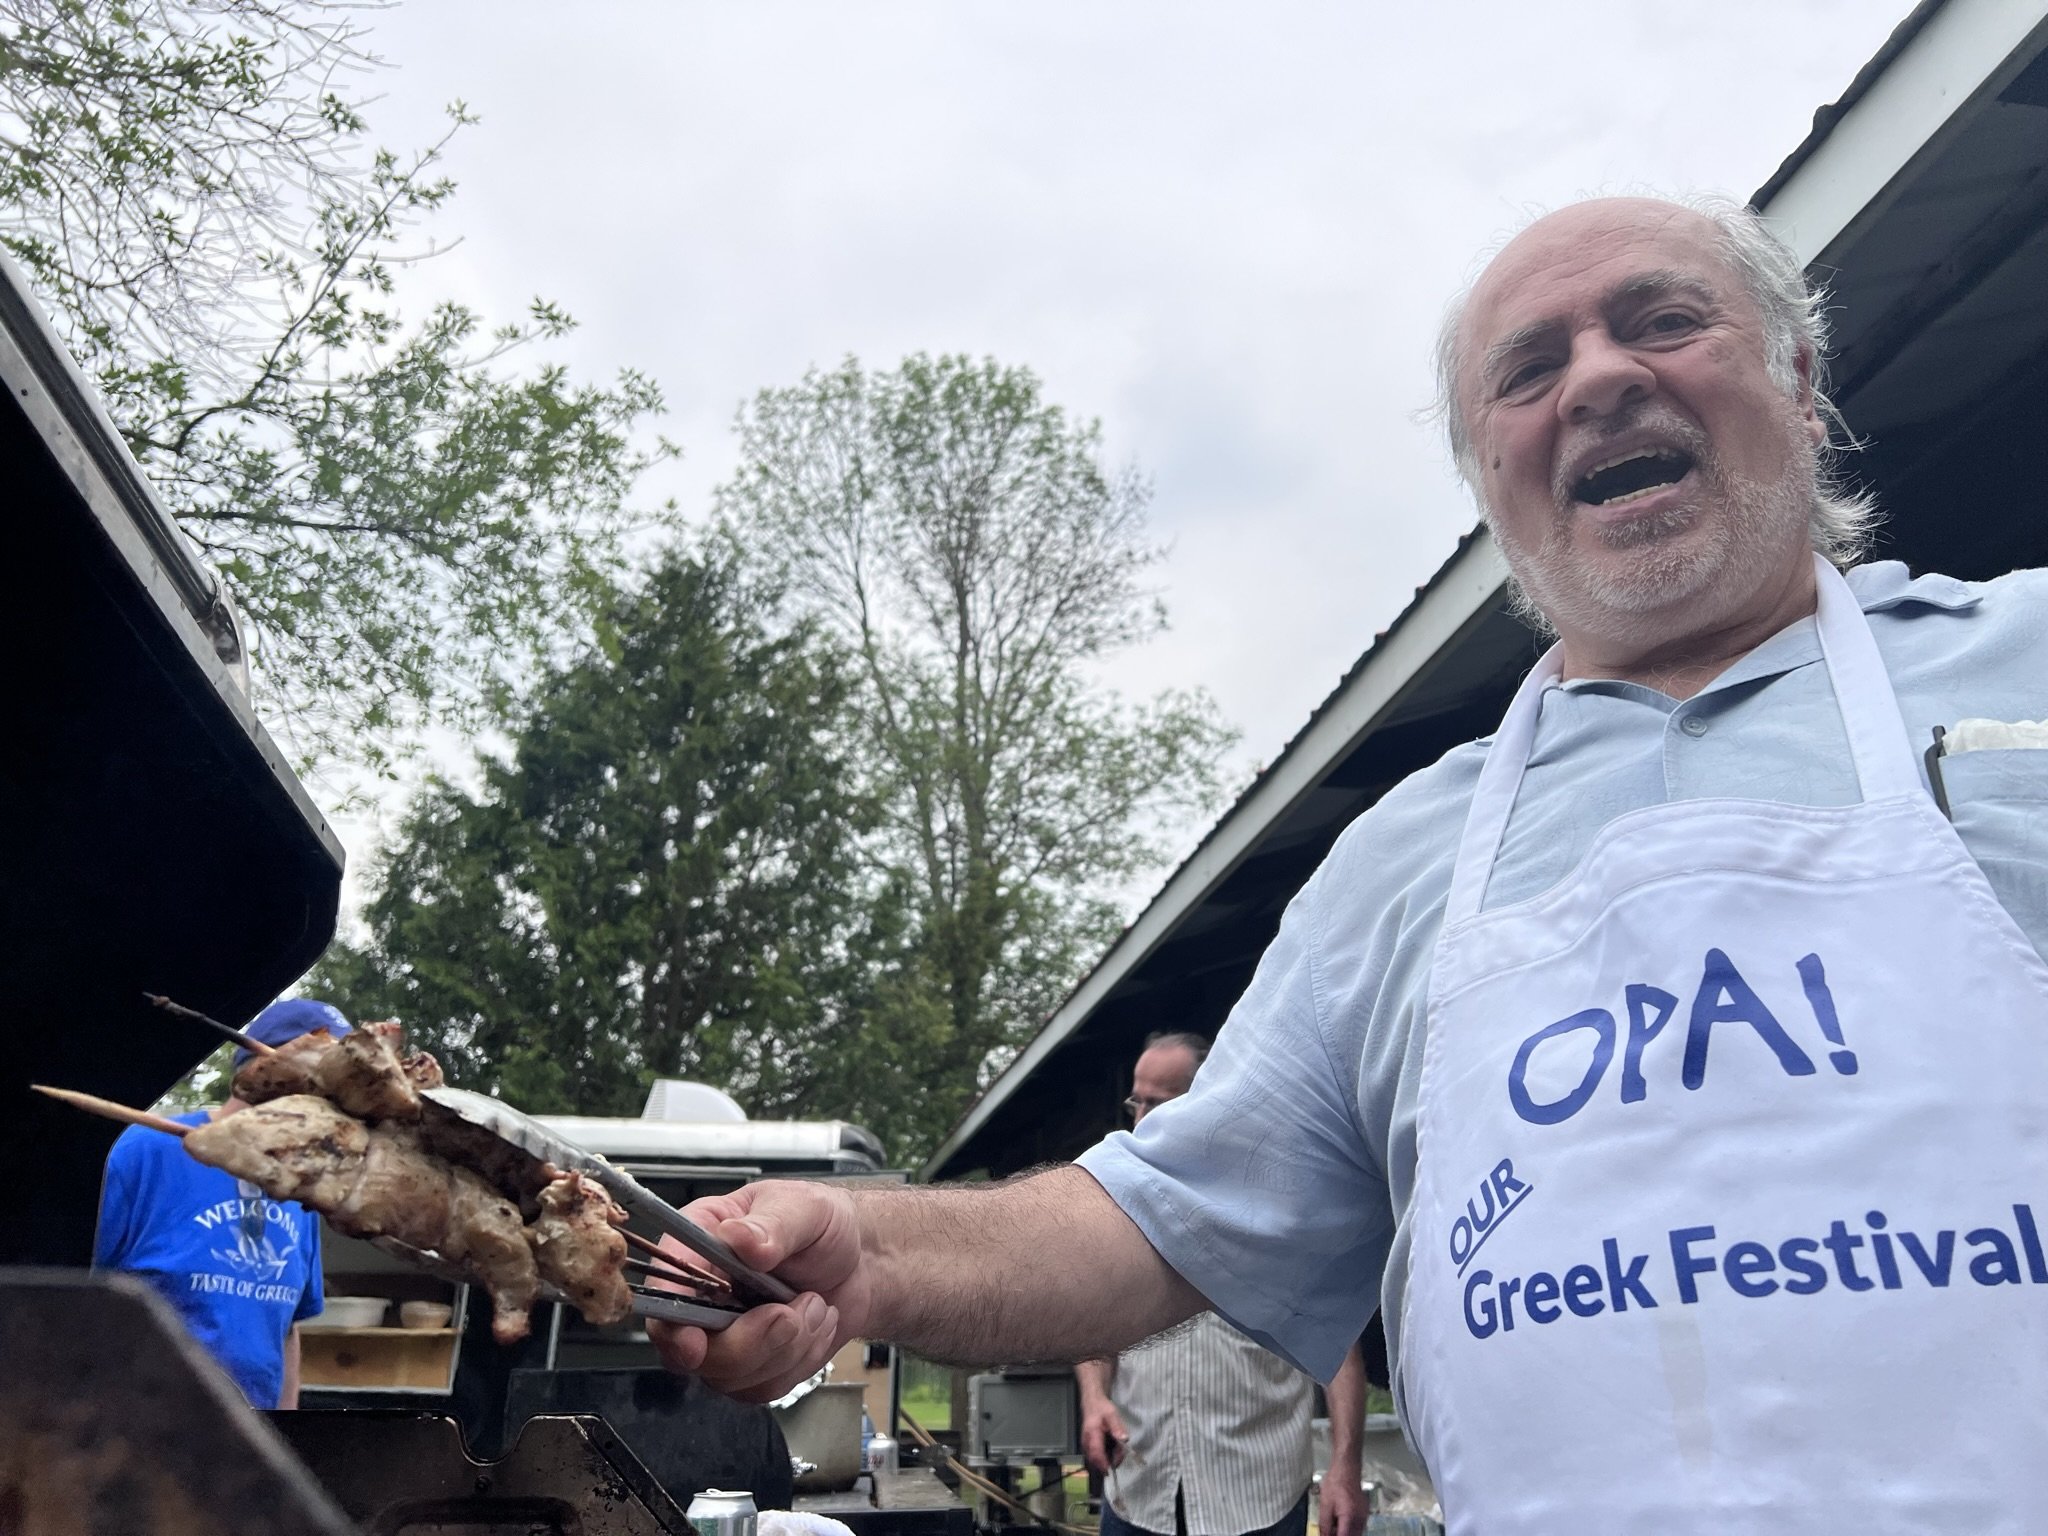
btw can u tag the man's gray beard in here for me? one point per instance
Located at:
(1557, 583)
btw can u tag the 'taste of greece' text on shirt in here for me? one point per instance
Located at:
(237, 1267)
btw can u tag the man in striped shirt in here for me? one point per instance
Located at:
(1199, 1431)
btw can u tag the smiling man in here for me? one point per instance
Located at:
(1646, 445)
(1668, 1066)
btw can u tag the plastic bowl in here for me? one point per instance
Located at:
(424, 1314)
(350, 1312)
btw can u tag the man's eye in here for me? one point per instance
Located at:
(1670, 322)
(1522, 377)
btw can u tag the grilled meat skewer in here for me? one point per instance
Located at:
(361, 1071)
(383, 1181)
(378, 1181)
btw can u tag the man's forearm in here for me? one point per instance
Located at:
(1094, 1379)
(1040, 1268)
(1346, 1394)
(288, 1394)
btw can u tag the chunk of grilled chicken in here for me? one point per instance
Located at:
(577, 1244)
(380, 1181)
(295, 1148)
(487, 1238)
(424, 1071)
(363, 1074)
(286, 1070)
(361, 1071)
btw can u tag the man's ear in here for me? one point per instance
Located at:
(1809, 411)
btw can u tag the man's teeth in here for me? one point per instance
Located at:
(1648, 490)
(1624, 477)
(1616, 463)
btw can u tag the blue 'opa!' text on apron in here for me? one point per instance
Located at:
(1723, 996)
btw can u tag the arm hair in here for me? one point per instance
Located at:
(1042, 1267)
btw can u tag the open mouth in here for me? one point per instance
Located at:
(1618, 481)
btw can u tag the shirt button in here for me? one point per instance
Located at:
(1693, 725)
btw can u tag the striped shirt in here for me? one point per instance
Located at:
(1216, 1418)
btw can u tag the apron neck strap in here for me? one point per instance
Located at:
(1499, 780)
(1878, 744)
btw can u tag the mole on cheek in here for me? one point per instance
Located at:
(1496, 463)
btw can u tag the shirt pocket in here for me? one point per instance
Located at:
(1998, 799)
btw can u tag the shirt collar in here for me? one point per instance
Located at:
(1878, 587)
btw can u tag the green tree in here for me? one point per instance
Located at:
(403, 519)
(962, 538)
(663, 879)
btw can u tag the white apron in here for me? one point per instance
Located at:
(1732, 1181)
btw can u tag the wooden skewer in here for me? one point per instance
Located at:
(112, 1111)
(246, 1042)
(685, 1269)
(663, 1272)
(645, 1245)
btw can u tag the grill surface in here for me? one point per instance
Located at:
(114, 1422)
(408, 1474)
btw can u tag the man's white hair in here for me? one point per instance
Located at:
(1795, 322)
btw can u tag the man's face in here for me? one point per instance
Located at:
(1163, 1072)
(1644, 474)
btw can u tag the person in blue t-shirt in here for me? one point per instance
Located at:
(240, 1269)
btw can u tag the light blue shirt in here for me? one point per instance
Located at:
(1280, 1186)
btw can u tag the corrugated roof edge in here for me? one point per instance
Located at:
(58, 373)
(1825, 118)
(1110, 956)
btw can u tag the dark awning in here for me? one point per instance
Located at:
(154, 837)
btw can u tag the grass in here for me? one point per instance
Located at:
(931, 1406)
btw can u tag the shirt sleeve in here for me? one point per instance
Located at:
(1258, 1185)
(118, 1203)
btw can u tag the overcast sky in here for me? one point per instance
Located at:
(1226, 231)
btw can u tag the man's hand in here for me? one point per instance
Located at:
(934, 1270)
(1341, 1509)
(1103, 1437)
(806, 1234)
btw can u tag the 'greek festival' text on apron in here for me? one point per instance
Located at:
(1732, 1190)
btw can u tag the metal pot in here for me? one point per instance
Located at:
(823, 1428)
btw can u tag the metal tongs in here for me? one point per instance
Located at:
(520, 1130)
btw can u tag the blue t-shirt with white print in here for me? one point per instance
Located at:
(238, 1267)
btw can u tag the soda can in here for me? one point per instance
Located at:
(721, 1512)
(881, 1455)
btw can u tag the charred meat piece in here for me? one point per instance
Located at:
(403, 1191)
(486, 1237)
(295, 1148)
(503, 1166)
(578, 1247)
(288, 1069)
(423, 1072)
(380, 1181)
(362, 1073)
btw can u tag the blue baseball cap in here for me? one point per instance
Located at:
(289, 1019)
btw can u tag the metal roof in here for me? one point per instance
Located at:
(1919, 196)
